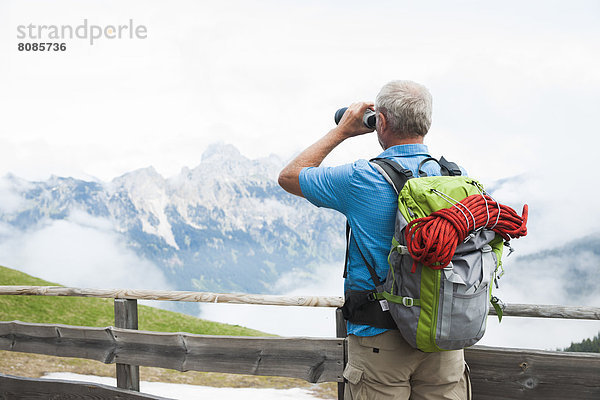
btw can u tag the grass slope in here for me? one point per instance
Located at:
(86, 311)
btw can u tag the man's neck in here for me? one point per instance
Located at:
(411, 140)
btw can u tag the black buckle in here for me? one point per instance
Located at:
(371, 297)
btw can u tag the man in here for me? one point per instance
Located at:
(381, 364)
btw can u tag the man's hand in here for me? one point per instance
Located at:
(350, 125)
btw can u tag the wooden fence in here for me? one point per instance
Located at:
(496, 373)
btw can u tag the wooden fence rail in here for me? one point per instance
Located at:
(511, 310)
(314, 360)
(200, 297)
(502, 373)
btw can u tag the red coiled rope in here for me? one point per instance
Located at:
(432, 240)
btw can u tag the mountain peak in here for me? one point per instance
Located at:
(148, 173)
(220, 150)
(143, 181)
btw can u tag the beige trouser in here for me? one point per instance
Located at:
(386, 367)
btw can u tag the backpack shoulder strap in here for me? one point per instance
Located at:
(393, 172)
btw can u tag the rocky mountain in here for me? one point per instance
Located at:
(225, 225)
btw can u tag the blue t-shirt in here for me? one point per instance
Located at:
(369, 203)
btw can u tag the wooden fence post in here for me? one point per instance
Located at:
(126, 316)
(341, 332)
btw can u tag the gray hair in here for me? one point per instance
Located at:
(406, 106)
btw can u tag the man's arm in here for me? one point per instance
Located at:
(350, 125)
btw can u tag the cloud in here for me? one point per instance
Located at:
(537, 333)
(10, 201)
(326, 280)
(80, 251)
(563, 205)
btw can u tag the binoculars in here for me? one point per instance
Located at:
(368, 117)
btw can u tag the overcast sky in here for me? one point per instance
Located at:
(514, 83)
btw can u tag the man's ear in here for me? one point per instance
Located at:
(381, 122)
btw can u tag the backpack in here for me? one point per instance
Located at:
(436, 307)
